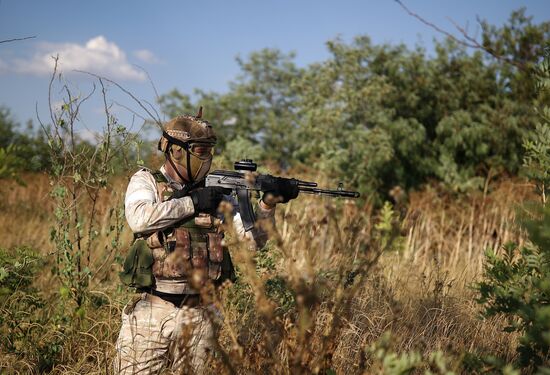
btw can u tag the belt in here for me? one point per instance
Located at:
(177, 300)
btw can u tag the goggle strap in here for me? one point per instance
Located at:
(188, 157)
(175, 141)
(186, 147)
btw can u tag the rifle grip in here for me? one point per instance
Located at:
(245, 208)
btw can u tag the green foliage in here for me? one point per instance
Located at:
(276, 286)
(38, 330)
(81, 172)
(520, 42)
(240, 148)
(391, 363)
(474, 364)
(258, 110)
(24, 324)
(277, 289)
(388, 229)
(377, 116)
(7, 127)
(23, 149)
(10, 163)
(17, 269)
(537, 145)
(517, 282)
(537, 157)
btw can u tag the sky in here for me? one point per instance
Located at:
(194, 44)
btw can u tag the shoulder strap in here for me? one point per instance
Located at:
(162, 185)
(159, 176)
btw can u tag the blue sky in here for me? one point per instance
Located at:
(192, 44)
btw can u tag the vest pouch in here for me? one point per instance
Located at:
(200, 255)
(155, 240)
(215, 249)
(137, 269)
(215, 255)
(183, 243)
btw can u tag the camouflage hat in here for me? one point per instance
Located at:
(186, 129)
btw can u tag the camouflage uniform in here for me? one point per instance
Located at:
(155, 333)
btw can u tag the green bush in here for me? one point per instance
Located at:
(26, 326)
(10, 163)
(377, 116)
(517, 282)
(18, 267)
(388, 362)
(26, 148)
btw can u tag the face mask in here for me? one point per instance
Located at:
(198, 164)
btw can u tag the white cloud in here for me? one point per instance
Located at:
(98, 56)
(146, 56)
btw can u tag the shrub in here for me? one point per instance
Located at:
(517, 282)
(25, 325)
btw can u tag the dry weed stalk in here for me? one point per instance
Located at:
(459, 230)
(291, 311)
(322, 263)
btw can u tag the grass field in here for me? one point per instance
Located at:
(341, 288)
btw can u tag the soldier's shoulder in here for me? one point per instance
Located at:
(149, 174)
(143, 173)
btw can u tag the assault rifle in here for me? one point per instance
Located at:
(243, 180)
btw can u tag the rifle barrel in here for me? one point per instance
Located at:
(306, 183)
(328, 192)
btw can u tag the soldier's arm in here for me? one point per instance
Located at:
(145, 213)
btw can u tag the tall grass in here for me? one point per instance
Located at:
(334, 278)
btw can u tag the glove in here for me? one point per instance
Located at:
(208, 199)
(283, 189)
(179, 194)
(185, 191)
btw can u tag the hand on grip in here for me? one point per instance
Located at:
(208, 199)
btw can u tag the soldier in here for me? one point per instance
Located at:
(167, 326)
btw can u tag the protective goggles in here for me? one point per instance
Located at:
(200, 150)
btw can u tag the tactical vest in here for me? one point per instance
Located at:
(190, 251)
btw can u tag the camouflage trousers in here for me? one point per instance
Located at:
(156, 336)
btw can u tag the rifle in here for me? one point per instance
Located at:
(242, 181)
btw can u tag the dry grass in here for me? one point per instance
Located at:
(25, 212)
(458, 231)
(424, 311)
(418, 289)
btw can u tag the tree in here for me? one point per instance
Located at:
(259, 108)
(20, 150)
(517, 282)
(377, 116)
